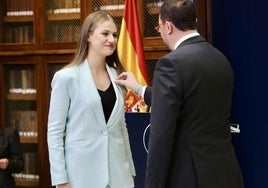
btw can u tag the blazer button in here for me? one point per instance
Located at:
(104, 132)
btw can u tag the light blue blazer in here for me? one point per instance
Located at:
(83, 149)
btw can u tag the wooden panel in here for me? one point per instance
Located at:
(203, 17)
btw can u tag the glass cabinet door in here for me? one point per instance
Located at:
(17, 21)
(20, 111)
(115, 8)
(62, 21)
(51, 69)
(151, 13)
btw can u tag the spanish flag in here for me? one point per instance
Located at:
(130, 52)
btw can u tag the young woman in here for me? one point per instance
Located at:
(87, 135)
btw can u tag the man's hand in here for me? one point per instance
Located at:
(128, 80)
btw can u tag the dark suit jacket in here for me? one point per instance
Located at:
(190, 141)
(10, 149)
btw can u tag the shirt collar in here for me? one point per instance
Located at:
(185, 38)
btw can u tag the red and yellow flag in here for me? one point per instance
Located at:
(130, 52)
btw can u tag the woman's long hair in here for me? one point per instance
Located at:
(89, 25)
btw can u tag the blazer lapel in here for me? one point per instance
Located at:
(87, 79)
(118, 109)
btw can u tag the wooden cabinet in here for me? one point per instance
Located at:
(19, 107)
(24, 100)
(38, 37)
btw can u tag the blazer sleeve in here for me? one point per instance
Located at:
(59, 103)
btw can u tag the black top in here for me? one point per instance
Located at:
(108, 100)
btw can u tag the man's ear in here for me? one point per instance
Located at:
(170, 28)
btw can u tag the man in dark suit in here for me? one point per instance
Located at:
(11, 160)
(190, 141)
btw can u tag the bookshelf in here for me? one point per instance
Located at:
(19, 102)
(37, 38)
(18, 19)
(62, 21)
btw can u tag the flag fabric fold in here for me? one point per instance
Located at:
(131, 54)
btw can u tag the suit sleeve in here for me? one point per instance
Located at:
(148, 95)
(15, 160)
(166, 92)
